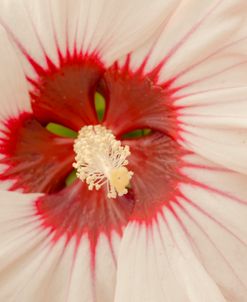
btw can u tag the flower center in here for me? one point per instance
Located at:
(100, 160)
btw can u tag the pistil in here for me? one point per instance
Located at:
(101, 160)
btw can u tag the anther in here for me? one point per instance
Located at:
(101, 160)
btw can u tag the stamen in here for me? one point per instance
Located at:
(100, 160)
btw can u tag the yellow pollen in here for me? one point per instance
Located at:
(101, 160)
(120, 178)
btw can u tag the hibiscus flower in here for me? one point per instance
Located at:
(157, 209)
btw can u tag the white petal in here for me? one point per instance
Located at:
(224, 108)
(213, 209)
(109, 28)
(223, 146)
(154, 267)
(21, 238)
(14, 94)
(197, 33)
(217, 240)
(214, 125)
(195, 250)
(199, 285)
(30, 26)
(14, 98)
(80, 284)
(202, 51)
(105, 268)
(35, 267)
(117, 27)
(144, 270)
(92, 279)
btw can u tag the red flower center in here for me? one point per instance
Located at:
(39, 161)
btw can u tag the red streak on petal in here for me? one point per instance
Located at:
(76, 211)
(64, 94)
(37, 160)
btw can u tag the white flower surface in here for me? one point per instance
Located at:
(180, 234)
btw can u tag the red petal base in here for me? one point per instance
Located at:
(75, 211)
(134, 101)
(37, 160)
(65, 94)
(155, 161)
